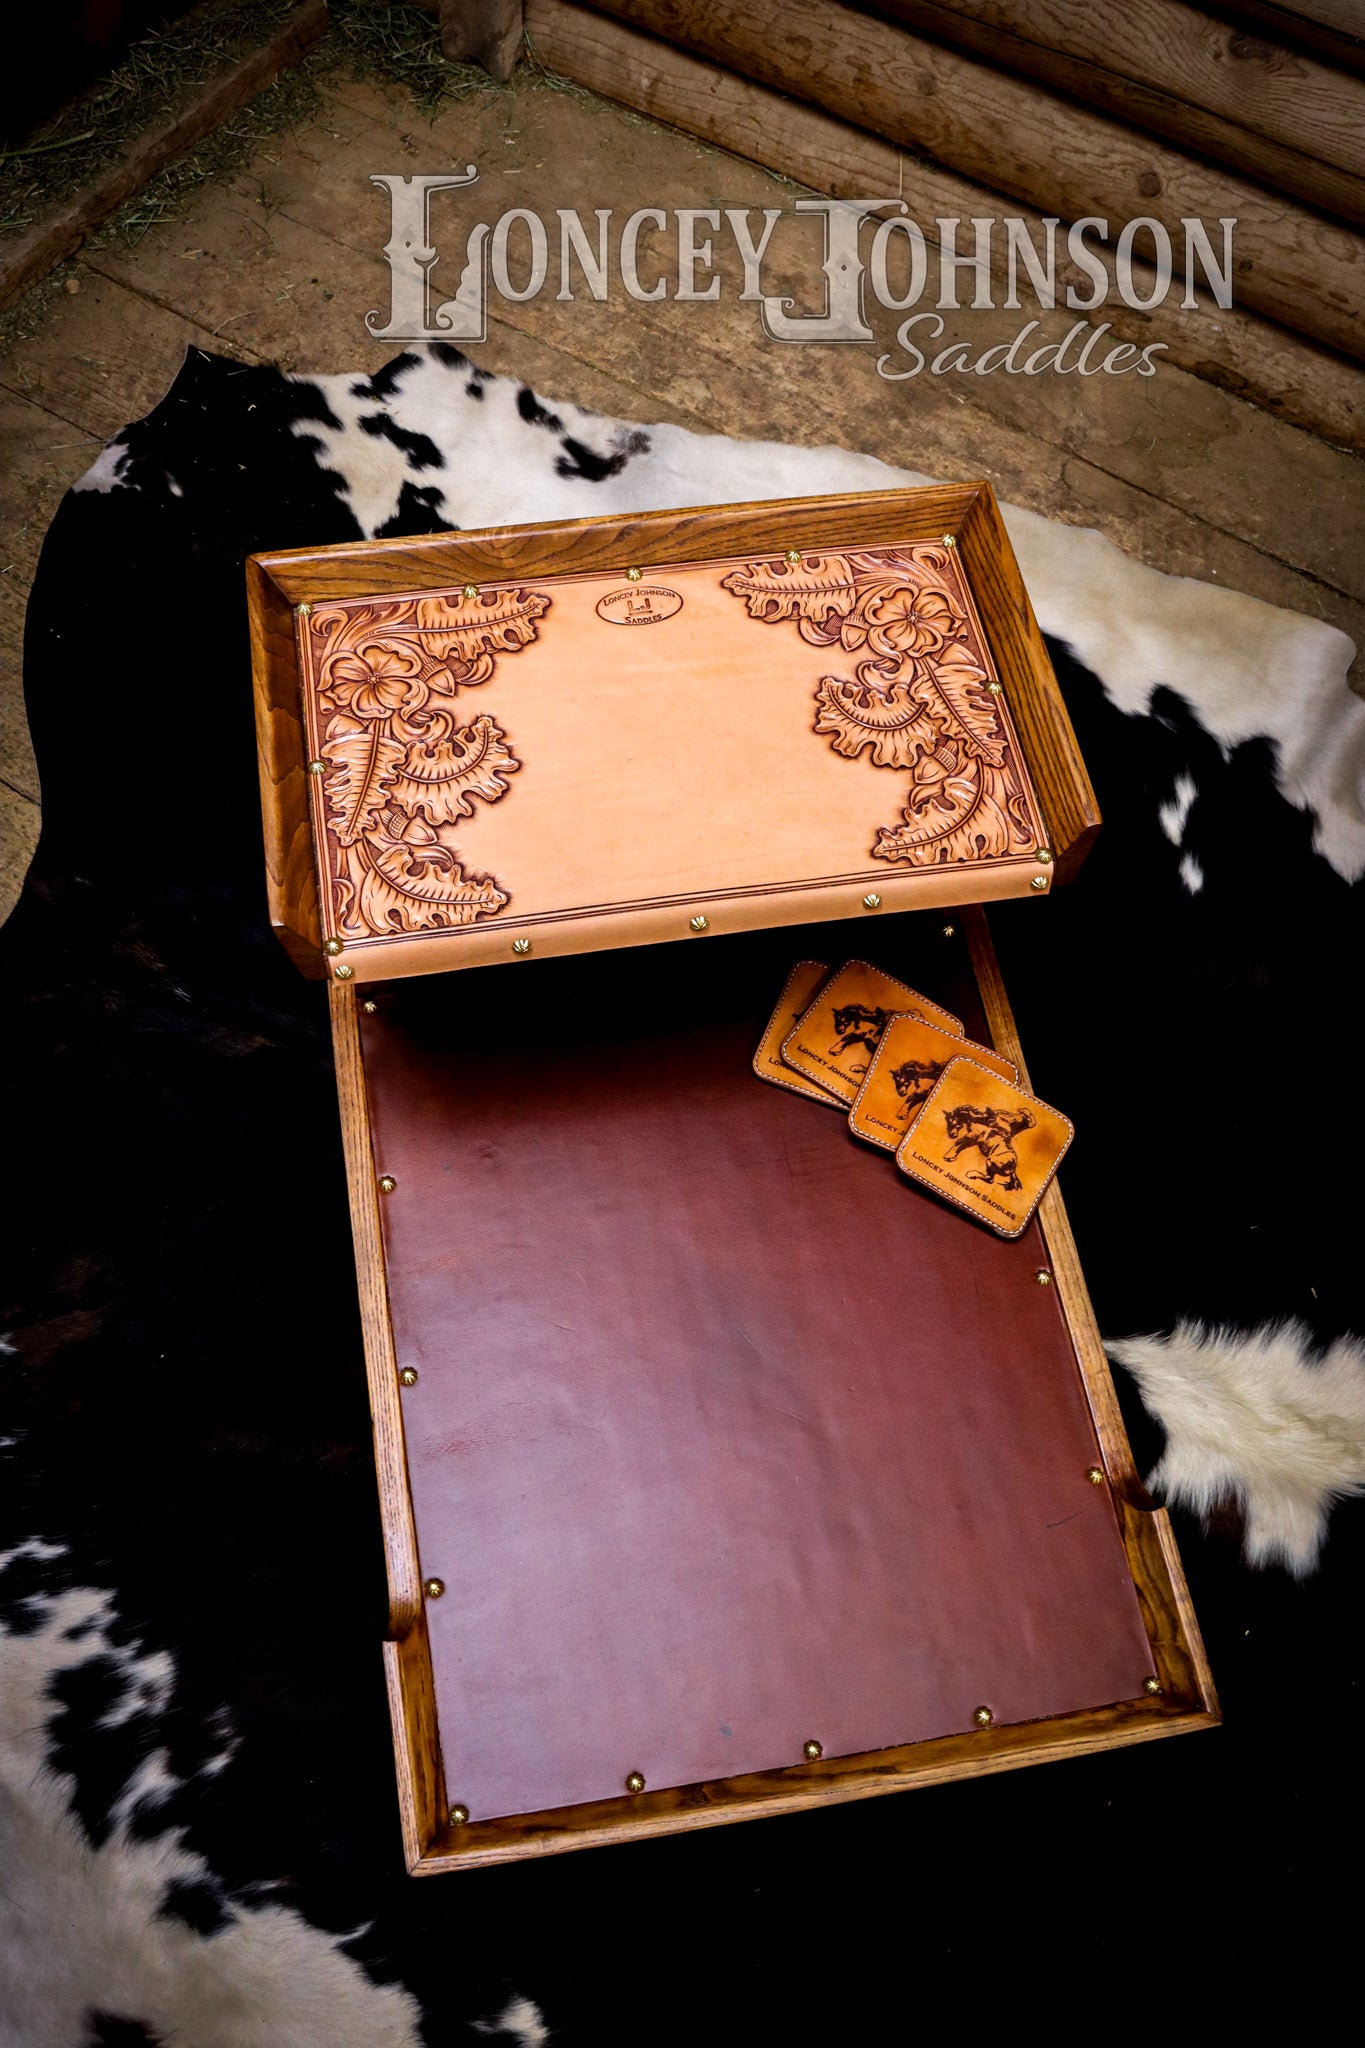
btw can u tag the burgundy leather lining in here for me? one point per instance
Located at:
(725, 1436)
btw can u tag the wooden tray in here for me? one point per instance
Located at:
(562, 738)
(723, 1472)
(703, 1435)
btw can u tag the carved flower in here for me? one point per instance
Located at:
(893, 619)
(380, 678)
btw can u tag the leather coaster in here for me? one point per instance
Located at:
(909, 1058)
(985, 1146)
(798, 991)
(835, 1038)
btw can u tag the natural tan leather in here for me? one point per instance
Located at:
(585, 761)
(833, 1041)
(798, 991)
(985, 1145)
(909, 1058)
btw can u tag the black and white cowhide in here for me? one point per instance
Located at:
(198, 1839)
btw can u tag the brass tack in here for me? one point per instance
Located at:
(950, 931)
(635, 1781)
(408, 1376)
(872, 901)
(303, 611)
(433, 1588)
(634, 575)
(1040, 881)
(471, 590)
(1152, 1686)
(1043, 856)
(1095, 1476)
(950, 540)
(317, 767)
(332, 946)
(700, 923)
(371, 1009)
(983, 1717)
(458, 1816)
(812, 1751)
(521, 947)
(343, 973)
(996, 689)
(387, 1183)
(794, 556)
(1043, 1277)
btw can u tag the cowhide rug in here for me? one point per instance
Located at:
(200, 1841)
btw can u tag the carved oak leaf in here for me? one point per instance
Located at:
(416, 884)
(957, 696)
(461, 629)
(384, 907)
(964, 816)
(857, 715)
(363, 765)
(440, 779)
(916, 563)
(330, 624)
(813, 590)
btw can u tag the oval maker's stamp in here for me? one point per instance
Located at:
(639, 604)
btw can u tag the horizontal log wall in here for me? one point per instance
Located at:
(1279, 115)
(1331, 29)
(1019, 139)
(1298, 381)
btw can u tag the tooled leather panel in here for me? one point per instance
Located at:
(587, 745)
(725, 1437)
(923, 697)
(402, 759)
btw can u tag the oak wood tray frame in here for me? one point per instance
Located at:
(966, 515)
(433, 1842)
(1181, 1695)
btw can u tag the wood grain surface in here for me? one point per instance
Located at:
(1332, 29)
(486, 32)
(386, 1411)
(31, 255)
(1295, 124)
(282, 765)
(1050, 748)
(407, 1655)
(1343, 16)
(1179, 1660)
(833, 1781)
(1004, 131)
(422, 1807)
(1186, 52)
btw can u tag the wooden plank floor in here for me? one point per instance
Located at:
(283, 261)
